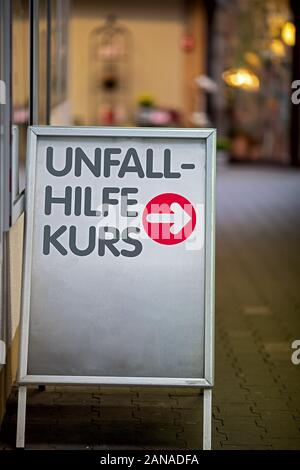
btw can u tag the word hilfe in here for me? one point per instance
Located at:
(78, 201)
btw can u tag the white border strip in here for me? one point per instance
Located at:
(2, 352)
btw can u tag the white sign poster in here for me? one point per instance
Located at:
(119, 257)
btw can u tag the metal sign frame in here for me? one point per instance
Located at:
(206, 382)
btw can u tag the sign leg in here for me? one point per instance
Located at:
(21, 418)
(207, 412)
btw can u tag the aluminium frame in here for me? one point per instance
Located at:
(206, 382)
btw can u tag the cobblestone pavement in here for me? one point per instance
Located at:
(257, 391)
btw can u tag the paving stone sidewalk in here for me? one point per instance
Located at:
(257, 392)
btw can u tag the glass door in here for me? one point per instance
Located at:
(4, 161)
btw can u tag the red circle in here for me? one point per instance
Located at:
(169, 218)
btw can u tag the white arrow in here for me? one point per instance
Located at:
(178, 218)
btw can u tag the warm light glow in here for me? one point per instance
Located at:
(253, 59)
(288, 34)
(276, 22)
(277, 47)
(241, 78)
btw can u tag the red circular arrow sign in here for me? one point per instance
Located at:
(169, 218)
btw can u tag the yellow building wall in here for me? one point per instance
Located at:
(157, 57)
(13, 295)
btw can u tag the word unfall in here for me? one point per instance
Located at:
(77, 199)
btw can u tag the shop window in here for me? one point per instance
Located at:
(42, 66)
(38, 80)
(252, 63)
(20, 116)
(58, 52)
(2, 186)
(109, 67)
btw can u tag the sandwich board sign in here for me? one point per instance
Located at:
(118, 279)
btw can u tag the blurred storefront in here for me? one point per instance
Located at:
(134, 63)
(252, 63)
(195, 63)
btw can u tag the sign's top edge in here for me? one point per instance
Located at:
(85, 131)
